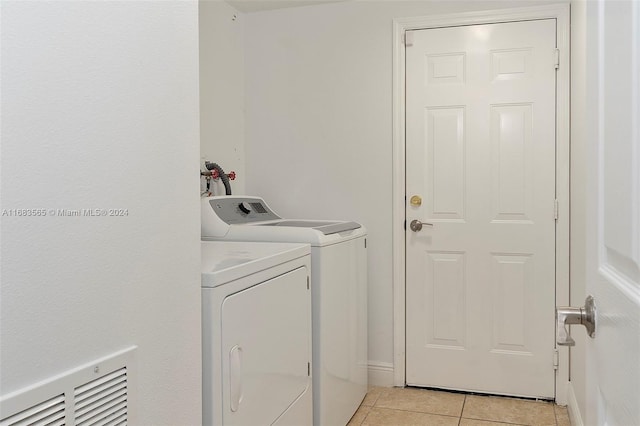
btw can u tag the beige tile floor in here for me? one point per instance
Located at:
(411, 406)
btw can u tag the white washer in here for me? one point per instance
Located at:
(256, 334)
(339, 294)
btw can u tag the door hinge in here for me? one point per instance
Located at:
(555, 209)
(308, 369)
(408, 38)
(556, 58)
(556, 359)
(307, 282)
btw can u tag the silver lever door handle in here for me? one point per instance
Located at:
(566, 315)
(416, 225)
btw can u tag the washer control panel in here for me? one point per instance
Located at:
(237, 210)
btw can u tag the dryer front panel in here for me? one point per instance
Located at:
(266, 349)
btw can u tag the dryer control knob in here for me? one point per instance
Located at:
(244, 207)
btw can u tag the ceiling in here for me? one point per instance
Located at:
(249, 6)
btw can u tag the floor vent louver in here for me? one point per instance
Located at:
(50, 412)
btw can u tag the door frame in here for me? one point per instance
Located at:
(560, 12)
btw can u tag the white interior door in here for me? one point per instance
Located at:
(480, 153)
(613, 216)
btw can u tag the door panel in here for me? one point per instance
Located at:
(613, 215)
(446, 294)
(445, 141)
(511, 147)
(480, 132)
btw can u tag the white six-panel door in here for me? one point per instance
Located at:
(613, 215)
(480, 153)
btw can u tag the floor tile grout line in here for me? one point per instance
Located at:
(373, 404)
(494, 421)
(366, 415)
(378, 397)
(364, 419)
(416, 412)
(464, 401)
(555, 414)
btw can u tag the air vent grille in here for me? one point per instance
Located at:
(97, 393)
(102, 401)
(50, 412)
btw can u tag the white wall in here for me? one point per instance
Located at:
(100, 110)
(222, 90)
(318, 123)
(578, 196)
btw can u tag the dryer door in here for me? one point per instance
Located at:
(266, 348)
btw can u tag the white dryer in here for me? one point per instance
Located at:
(339, 293)
(256, 334)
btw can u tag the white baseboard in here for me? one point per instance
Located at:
(380, 374)
(572, 407)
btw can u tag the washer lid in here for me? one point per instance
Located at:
(225, 261)
(326, 227)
